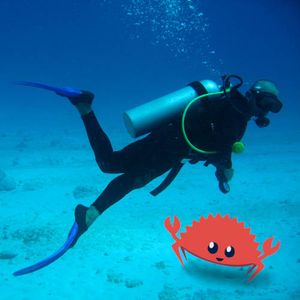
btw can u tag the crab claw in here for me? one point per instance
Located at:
(173, 229)
(268, 249)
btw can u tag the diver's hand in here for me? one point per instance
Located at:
(224, 187)
(224, 175)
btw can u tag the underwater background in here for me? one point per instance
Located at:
(128, 53)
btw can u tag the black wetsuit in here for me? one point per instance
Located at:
(213, 124)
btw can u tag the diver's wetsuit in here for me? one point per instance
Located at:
(213, 125)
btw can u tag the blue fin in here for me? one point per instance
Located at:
(56, 255)
(62, 91)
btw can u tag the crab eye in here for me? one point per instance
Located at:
(229, 251)
(212, 247)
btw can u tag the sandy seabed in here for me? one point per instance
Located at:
(127, 253)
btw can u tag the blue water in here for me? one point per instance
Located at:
(128, 53)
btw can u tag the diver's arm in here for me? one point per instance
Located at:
(224, 171)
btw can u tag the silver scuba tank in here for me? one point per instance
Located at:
(146, 117)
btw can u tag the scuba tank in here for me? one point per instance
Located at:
(146, 117)
(143, 119)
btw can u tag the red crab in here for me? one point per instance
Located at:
(221, 240)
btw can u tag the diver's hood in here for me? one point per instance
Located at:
(266, 96)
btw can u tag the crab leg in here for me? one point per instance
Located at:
(183, 251)
(260, 267)
(253, 266)
(177, 252)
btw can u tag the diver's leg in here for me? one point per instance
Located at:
(110, 161)
(118, 188)
(122, 161)
(99, 141)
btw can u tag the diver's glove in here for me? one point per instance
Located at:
(84, 97)
(224, 175)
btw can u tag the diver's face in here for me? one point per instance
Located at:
(260, 103)
(254, 108)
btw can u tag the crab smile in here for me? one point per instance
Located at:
(219, 258)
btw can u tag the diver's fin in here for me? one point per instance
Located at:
(62, 91)
(78, 228)
(56, 255)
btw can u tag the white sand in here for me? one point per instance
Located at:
(127, 253)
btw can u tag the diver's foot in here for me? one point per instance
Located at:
(80, 219)
(84, 217)
(85, 97)
(83, 102)
(81, 96)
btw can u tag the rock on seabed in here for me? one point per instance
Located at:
(6, 183)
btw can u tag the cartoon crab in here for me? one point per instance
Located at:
(221, 240)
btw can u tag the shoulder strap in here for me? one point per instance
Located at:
(168, 179)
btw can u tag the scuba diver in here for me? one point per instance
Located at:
(211, 131)
(214, 124)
